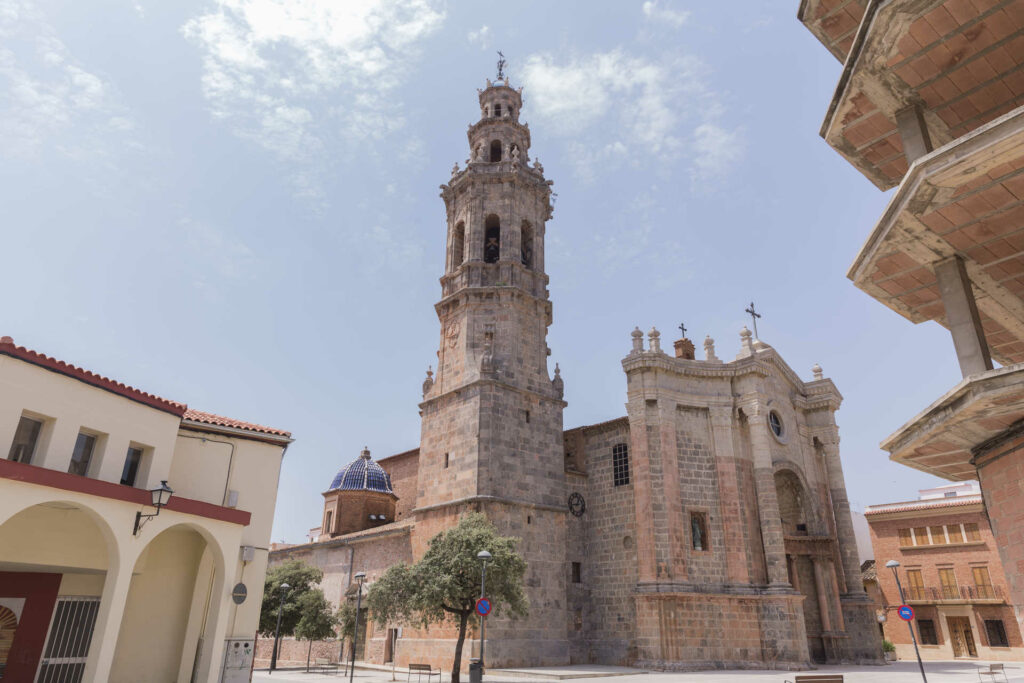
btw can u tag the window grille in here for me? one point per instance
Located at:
(620, 464)
(67, 645)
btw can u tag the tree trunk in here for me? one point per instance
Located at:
(457, 665)
(308, 653)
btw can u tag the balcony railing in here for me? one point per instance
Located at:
(954, 593)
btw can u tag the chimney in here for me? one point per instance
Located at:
(684, 349)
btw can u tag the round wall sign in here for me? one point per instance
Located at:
(483, 607)
(239, 593)
(906, 612)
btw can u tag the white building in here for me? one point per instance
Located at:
(91, 589)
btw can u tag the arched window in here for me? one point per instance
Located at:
(492, 239)
(526, 243)
(496, 150)
(458, 244)
(497, 110)
(620, 464)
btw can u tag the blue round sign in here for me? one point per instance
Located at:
(906, 612)
(483, 607)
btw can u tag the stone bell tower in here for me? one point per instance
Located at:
(492, 417)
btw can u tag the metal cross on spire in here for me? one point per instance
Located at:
(754, 315)
(682, 328)
(501, 66)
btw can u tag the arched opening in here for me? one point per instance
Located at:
(59, 554)
(492, 239)
(458, 244)
(173, 577)
(497, 110)
(496, 150)
(792, 503)
(526, 244)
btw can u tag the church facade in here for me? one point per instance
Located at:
(707, 528)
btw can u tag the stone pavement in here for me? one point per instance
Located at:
(898, 672)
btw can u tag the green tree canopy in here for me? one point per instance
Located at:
(445, 584)
(316, 620)
(302, 578)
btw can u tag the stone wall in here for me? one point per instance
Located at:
(1001, 472)
(403, 469)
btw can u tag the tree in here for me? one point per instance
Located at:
(445, 584)
(302, 578)
(346, 619)
(316, 622)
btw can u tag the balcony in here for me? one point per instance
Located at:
(956, 595)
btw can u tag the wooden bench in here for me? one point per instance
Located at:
(324, 665)
(818, 678)
(421, 669)
(992, 670)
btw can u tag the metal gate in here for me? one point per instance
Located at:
(67, 644)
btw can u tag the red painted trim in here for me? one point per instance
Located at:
(30, 474)
(8, 348)
(40, 593)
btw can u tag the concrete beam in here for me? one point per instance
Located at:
(913, 132)
(962, 315)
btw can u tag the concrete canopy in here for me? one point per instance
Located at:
(957, 62)
(965, 199)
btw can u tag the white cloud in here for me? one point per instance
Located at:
(656, 11)
(480, 37)
(274, 70)
(215, 258)
(617, 107)
(47, 97)
(716, 150)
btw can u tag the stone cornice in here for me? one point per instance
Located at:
(493, 382)
(490, 499)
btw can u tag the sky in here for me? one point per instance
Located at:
(234, 204)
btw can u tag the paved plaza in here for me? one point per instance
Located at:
(898, 672)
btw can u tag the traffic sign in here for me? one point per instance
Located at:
(483, 607)
(906, 612)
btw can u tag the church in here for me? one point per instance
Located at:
(709, 527)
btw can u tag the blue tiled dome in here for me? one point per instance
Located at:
(363, 474)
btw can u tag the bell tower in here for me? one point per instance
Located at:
(492, 416)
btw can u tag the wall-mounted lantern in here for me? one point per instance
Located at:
(159, 497)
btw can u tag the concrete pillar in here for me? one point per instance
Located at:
(913, 132)
(108, 619)
(767, 498)
(819, 588)
(845, 535)
(830, 570)
(729, 495)
(962, 316)
(640, 473)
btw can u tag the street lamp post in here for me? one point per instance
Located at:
(277, 632)
(894, 566)
(484, 557)
(355, 631)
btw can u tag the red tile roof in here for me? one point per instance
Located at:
(972, 499)
(219, 420)
(8, 348)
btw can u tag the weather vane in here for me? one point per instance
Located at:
(501, 66)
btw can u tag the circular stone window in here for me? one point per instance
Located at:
(775, 422)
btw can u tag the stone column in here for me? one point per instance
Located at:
(830, 568)
(674, 501)
(845, 535)
(819, 588)
(640, 472)
(962, 316)
(729, 494)
(767, 498)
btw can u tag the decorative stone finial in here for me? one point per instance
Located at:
(455, 168)
(558, 383)
(818, 374)
(365, 454)
(709, 350)
(746, 343)
(638, 340)
(428, 383)
(654, 337)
